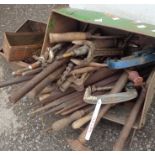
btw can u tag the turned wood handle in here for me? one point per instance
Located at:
(67, 37)
(80, 122)
(62, 123)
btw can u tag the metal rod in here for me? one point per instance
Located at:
(20, 71)
(33, 82)
(60, 107)
(32, 72)
(57, 102)
(74, 109)
(74, 104)
(118, 146)
(84, 70)
(50, 78)
(15, 81)
(96, 77)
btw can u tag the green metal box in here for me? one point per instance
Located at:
(70, 20)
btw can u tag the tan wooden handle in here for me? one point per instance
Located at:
(80, 122)
(67, 37)
(35, 65)
(62, 123)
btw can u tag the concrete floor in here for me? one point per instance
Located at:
(19, 131)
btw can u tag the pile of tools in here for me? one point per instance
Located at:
(82, 75)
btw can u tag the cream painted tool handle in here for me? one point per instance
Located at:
(93, 120)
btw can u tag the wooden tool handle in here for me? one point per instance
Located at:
(67, 37)
(80, 122)
(130, 122)
(62, 123)
(34, 65)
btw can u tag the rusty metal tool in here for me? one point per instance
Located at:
(83, 50)
(74, 81)
(59, 125)
(119, 85)
(73, 109)
(40, 60)
(118, 146)
(99, 75)
(31, 84)
(56, 94)
(84, 70)
(86, 48)
(74, 104)
(48, 89)
(53, 51)
(105, 88)
(78, 83)
(90, 64)
(32, 72)
(57, 102)
(50, 78)
(62, 123)
(117, 88)
(60, 107)
(101, 83)
(71, 36)
(65, 74)
(102, 74)
(90, 53)
(70, 49)
(19, 72)
(108, 52)
(15, 81)
(130, 94)
(80, 122)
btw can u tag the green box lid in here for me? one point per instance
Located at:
(108, 20)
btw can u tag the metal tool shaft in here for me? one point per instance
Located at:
(118, 146)
(96, 77)
(15, 81)
(57, 102)
(33, 82)
(50, 78)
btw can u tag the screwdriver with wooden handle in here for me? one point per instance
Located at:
(71, 36)
(62, 123)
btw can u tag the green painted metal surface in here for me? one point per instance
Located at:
(108, 20)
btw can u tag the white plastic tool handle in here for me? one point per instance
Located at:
(93, 120)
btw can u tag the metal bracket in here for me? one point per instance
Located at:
(130, 94)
